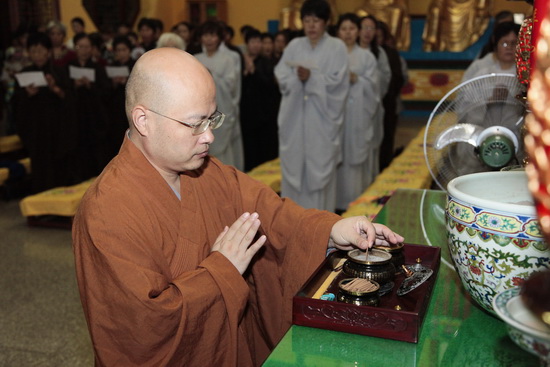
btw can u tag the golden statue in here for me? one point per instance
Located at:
(454, 25)
(290, 16)
(395, 13)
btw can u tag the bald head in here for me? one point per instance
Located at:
(164, 77)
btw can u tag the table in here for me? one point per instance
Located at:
(455, 332)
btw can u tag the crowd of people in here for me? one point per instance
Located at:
(74, 124)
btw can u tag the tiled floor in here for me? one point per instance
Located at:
(42, 323)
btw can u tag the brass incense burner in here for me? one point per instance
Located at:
(374, 265)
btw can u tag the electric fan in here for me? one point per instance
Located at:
(476, 127)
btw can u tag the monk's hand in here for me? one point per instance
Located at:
(359, 232)
(235, 242)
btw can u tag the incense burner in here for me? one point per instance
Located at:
(370, 298)
(376, 266)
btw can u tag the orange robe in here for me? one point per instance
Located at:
(153, 293)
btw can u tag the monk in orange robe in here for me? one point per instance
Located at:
(174, 265)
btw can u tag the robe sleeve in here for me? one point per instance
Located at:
(137, 313)
(228, 76)
(370, 84)
(328, 88)
(476, 67)
(361, 112)
(297, 240)
(472, 69)
(286, 75)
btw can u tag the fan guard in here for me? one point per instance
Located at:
(475, 127)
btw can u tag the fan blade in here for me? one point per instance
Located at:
(465, 133)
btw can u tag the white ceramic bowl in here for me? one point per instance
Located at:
(524, 328)
(493, 233)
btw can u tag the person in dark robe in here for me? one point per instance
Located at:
(390, 100)
(122, 48)
(180, 259)
(259, 105)
(148, 28)
(44, 122)
(91, 110)
(61, 54)
(280, 41)
(98, 49)
(267, 45)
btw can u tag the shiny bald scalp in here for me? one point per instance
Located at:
(156, 75)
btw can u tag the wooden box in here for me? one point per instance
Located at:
(396, 317)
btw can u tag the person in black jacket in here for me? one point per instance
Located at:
(260, 100)
(44, 121)
(391, 116)
(122, 48)
(91, 110)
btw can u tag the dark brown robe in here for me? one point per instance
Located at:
(155, 295)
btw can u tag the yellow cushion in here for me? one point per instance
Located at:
(10, 143)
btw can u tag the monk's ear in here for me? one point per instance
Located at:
(139, 119)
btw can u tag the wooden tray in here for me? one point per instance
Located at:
(398, 318)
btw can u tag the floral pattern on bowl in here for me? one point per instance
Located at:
(493, 251)
(494, 222)
(523, 327)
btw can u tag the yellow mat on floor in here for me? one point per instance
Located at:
(10, 143)
(408, 170)
(62, 201)
(5, 172)
(268, 173)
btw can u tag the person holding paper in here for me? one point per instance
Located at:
(314, 82)
(44, 122)
(61, 54)
(92, 90)
(123, 65)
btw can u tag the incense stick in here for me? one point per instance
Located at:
(323, 288)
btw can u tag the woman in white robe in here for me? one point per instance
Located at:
(502, 58)
(226, 72)
(353, 175)
(367, 40)
(314, 81)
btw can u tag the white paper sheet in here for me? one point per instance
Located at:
(114, 71)
(77, 73)
(35, 78)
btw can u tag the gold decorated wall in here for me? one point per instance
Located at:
(253, 12)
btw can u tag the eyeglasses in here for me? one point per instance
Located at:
(512, 44)
(214, 121)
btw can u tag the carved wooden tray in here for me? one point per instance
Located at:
(396, 317)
